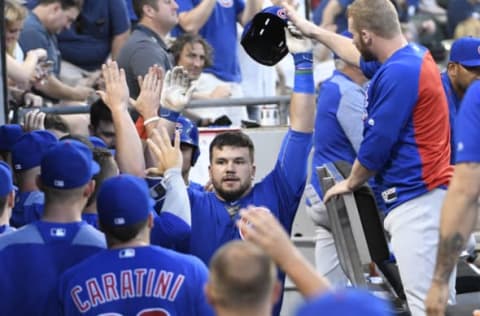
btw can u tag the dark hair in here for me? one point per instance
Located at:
(233, 139)
(3, 202)
(55, 122)
(108, 168)
(189, 38)
(138, 6)
(99, 111)
(66, 4)
(120, 234)
(79, 138)
(242, 275)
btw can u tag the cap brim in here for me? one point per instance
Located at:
(471, 63)
(95, 168)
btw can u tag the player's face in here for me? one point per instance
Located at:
(360, 42)
(231, 172)
(192, 58)
(464, 76)
(187, 153)
(106, 131)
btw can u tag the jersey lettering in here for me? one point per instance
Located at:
(127, 284)
(95, 295)
(81, 306)
(110, 286)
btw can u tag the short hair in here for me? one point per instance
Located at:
(241, 275)
(190, 38)
(55, 122)
(54, 195)
(138, 6)
(3, 202)
(121, 234)
(99, 111)
(233, 139)
(66, 4)
(377, 16)
(108, 168)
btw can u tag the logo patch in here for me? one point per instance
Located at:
(225, 3)
(282, 13)
(390, 195)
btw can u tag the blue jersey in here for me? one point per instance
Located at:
(467, 123)
(28, 208)
(91, 219)
(338, 123)
(32, 259)
(135, 281)
(406, 131)
(340, 21)
(5, 229)
(170, 231)
(453, 107)
(220, 31)
(195, 186)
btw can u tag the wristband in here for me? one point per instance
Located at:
(303, 82)
(150, 120)
(170, 115)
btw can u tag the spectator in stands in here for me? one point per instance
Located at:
(146, 45)
(42, 25)
(101, 123)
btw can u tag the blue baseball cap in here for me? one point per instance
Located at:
(466, 51)
(27, 153)
(263, 37)
(123, 200)
(346, 302)
(346, 34)
(97, 142)
(6, 182)
(9, 134)
(68, 165)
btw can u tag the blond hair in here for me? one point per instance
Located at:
(377, 16)
(14, 11)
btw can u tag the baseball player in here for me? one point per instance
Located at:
(7, 197)
(190, 148)
(132, 277)
(9, 134)
(32, 258)
(232, 168)
(406, 142)
(26, 157)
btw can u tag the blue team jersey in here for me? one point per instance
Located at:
(91, 219)
(28, 208)
(195, 186)
(220, 31)
(467, 126)
(32, 259)
(406, 131)
(453, 107)
(170, 231)
(338, 123)
(135, 281)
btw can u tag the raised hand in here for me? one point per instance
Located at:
(168, 156)
(304, 26)
(177, 89)
(296, 42)
(116, 95)
(34, 120)
(148, 101)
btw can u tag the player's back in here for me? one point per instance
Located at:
(32, 259)
(136, 281)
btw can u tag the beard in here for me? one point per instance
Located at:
(231, 195)
(367, 55)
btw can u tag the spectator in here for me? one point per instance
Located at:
(43, 23)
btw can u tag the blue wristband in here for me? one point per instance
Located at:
(303, 82)
(170, 115)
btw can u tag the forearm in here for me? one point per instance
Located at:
(56, 89)
(20, 73)
(176, 196)
(129, 149)
(459, 215)
(358, 176)
(192, 21)
(251, 8)
(332, 9)
(118, 42)
(302, 104)
(308, 282)
(341, 45)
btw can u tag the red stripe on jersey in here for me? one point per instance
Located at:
(431, 126)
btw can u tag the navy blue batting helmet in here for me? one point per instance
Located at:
(188, 135)
(263, 38)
